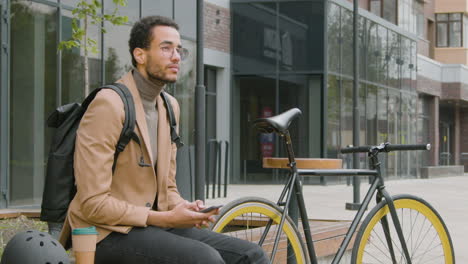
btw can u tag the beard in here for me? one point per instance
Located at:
(158, 77)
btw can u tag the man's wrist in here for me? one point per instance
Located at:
(160, 219)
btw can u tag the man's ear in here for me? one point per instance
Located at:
(140, 55)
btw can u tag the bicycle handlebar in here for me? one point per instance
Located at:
(386, 147)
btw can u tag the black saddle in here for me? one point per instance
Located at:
(278, 123)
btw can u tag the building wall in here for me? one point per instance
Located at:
(217, 27)
(451, 6)
(451, 55)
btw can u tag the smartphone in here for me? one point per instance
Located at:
(209, 209)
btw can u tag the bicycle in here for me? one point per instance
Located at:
(399, 229)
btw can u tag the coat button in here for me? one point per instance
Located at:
(148, 204)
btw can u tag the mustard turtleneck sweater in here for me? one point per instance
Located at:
(149, 91)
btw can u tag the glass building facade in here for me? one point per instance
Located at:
(300, 54)
(36, 78)
(387, 88)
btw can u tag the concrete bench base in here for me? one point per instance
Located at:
(441, 171)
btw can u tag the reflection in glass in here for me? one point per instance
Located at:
(334, 38)
(72, 63)
(393, 131)
(254, 46)
(333, 116)
(131, 10)
(442, 32)
(455, 34)
(186, 16)
(299, 25)
(153, 8)
(116, 53)
(347, 112)
(405, 63)
(371, 115)
(382, 125)
(393, 57)
(347, 42)
(32, 97)
(184, 92)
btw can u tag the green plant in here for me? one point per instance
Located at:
(11, 226)
(88, 11)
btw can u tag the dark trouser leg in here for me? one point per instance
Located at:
(157, 245)
(232, 250)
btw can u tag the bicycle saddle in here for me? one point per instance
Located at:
(278, 123)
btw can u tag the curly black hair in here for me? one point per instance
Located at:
(140, 36)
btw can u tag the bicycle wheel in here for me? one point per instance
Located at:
(246, 218)
(426, 236)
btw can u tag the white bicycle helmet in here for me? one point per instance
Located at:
(34, 247)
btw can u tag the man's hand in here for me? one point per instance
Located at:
(200, 206)
(183, 215)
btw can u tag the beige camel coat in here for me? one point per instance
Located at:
(116, 203)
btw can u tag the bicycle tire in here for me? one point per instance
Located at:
(246, 218)
(426, 234)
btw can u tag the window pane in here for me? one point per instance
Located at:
(333, 116)
(347, 113)
(455, 34)
(389, 10)
(186, 16)
(371, 115)
(455, 16)
(184, 91)
(299, 24)
(393, 58)
(131, 10)
(376, 7)
(373, 52)
(71, 3)
(405, 63)
(152, 8)
(33, 55)
(442, 40)
(442, 17)
(383, 69)
(73, 87)
(334, 38)
(347, 42)
(116, 54)
(254, 47)
(465, 31)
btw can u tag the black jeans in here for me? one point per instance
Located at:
(159, 245)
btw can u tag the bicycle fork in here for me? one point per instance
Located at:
(396, 223)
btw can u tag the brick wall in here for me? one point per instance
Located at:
(217, 34)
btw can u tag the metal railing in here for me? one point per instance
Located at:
(216, 168)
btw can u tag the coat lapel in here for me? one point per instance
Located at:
(128, 80)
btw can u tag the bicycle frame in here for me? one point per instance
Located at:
(294, 186)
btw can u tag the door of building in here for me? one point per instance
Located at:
(445, 155)
(265, 96)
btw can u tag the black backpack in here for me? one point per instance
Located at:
(59, 187)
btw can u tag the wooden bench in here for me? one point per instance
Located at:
(326, 234)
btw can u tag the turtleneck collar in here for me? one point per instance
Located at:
(147, 89)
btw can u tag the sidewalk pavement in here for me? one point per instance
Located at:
(448, 195)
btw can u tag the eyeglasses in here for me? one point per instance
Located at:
(168, 51)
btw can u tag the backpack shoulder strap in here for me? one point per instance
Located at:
(128, 130)
(172, 121)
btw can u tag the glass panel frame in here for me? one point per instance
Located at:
(33, 54)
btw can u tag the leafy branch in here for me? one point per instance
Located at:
(88, 11)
